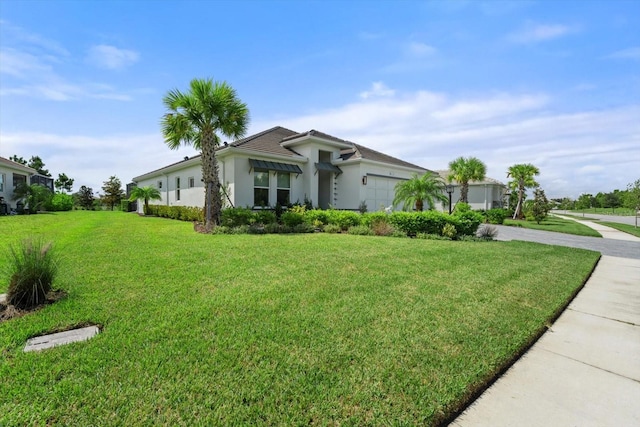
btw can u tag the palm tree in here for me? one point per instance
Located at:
(522, 175)
(418, 190)
(145, 193)
(195, 118)
(463, 170)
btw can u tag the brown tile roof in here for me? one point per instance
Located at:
(267, 141)
(362, 152)
(319, 134)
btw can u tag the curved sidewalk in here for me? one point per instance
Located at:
(585, 370)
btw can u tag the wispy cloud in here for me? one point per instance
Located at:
(630, 53)
(420, 49)
(534, 33)
(111, 57)
(502, 129)
(377, 89)
(13, 34)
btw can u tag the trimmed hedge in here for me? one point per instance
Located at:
(182, 213)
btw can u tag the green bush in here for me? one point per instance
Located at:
(304, 228)
(235, 217)
(431, 236)
(32, 269)
(60, 202)
(332, 228)
(182, 213)
(124, 205)
(291, 218)
(311, 216)
(343, 219)
(412, 223)
(468, 222)
(371, 218)
(449, 231)
(496, 216)
(265, 217)
(360, 230)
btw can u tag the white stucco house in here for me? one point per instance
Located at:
(279, 165)
(483, 195)
(11, 175)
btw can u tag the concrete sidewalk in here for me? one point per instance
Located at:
(606, 232)
(585, 370)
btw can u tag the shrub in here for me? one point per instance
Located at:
(292, 218)
(496, 216)
(372, 218)
(32, 269)
(332, 228)
(265, 217)
(468, 222)
(486, 231)
(304, 228)
(431, 236)
(462, 207)
(360, 230)
(60, 202)
(311, 216)
(235, 217)
(449, 231)
(343, 219)
(383, 229)
(412, 223)
(183, 213)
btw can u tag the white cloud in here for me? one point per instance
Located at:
(378, 89)
(420, 49)
(92, 160)
(630, 53)
(533, 33)
(19, 64)
(430, 129)
(110, 57)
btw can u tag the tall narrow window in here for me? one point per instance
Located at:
(177, 188)
(1, 182)
(284, 188)
(159, 185)
(192, 182)
(261, 188)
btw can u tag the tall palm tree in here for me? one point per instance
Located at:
(145, 193)
(522, 177)
(195, 118)
(463, 170)
(418, 190)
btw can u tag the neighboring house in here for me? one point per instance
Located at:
(483, 195)
(11, 175)
(281, 166)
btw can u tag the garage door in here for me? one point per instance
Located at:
(380, 192)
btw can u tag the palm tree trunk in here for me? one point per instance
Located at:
(213, 201)
(419, 205)
(519, 206)
(464, 191)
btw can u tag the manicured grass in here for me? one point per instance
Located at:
(623, 227)
(272, 329)
(606, 211)
(555, 224)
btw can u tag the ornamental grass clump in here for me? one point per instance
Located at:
(32, 270)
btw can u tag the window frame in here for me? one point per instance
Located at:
(177, 188)
(261, 187)
(280, 188)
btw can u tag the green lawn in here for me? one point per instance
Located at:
(623, 227)
(555, 224)
(272, 329)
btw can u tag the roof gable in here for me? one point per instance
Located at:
(362, 152)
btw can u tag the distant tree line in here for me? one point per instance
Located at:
(629, 198)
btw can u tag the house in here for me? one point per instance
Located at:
(279, 165)
(11, 175)
(483, 195)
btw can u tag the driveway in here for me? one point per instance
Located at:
(616, 248)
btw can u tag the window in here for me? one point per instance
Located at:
(159, 185)
(284, 188)
(261, 188)
(177, 188)
(192, 182)
(18, 179)
(1, 182)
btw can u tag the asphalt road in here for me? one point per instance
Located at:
(617, 248)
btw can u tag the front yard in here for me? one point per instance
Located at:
(271, 329)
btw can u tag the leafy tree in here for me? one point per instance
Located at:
(541, 207)
(585, 201)
(60, 202)
(418, 190)
(17, 159)
(84, 197)
(195, 118)
(63, 183)
(113, 192)
(522, 178)
(35, 162)
(146, 194)
(34, 196)
(464, 170)
(632, 196)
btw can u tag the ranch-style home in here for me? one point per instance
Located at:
(279, 165)
(483, 195)
(11, 175)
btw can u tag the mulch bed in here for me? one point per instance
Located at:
(8, 311)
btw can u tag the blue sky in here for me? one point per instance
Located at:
(553, 83)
